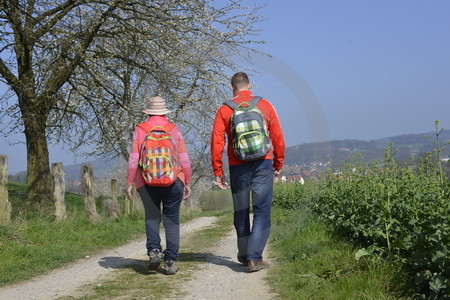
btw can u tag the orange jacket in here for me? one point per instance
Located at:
(222, 128)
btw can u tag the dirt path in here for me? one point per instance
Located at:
(66, 281)
(220, 277)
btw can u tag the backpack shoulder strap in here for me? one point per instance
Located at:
(147, 128)
(144, 127)
(255, 101)
(168, 127)
(231, 104)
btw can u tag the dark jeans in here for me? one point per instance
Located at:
(170, 197)
(255, 177)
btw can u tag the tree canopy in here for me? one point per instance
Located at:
(78, 70)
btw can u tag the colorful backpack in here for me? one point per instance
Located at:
(159, 156)
(250, 140)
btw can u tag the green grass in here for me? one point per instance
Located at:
(311, 263)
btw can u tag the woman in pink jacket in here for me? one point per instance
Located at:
(153, 196)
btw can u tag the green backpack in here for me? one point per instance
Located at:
(250, 140)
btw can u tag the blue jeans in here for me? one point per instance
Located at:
(170, 197)
(255, 177)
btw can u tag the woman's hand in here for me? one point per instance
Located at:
(129, 193)
(187, 191)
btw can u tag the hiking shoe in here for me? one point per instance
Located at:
(170, 267)
(257, 265)
(155, 256)
(242, 260)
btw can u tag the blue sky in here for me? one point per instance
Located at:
(350, 69)
(377, 68)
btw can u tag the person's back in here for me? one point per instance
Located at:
(154, 193)
(254, 176)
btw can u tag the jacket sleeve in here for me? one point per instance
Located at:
(133, 160)
(277, 138)
(183, 156)
(218, 143)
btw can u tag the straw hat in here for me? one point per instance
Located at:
(156, 106)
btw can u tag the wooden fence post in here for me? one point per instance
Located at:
(88, 191)
(114, 190)
(111, 204)
(59, 191)
(5, 205)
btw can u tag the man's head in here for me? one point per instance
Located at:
(240, 82)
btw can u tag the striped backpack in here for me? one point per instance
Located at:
(250, 140)
(159, 157)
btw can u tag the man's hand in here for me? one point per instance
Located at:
(129, 194)
(276, 172)
(220, 181)
(187, 191)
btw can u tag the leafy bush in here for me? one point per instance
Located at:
(288, 195)
(395, 211)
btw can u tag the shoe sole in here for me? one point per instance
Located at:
(256, 269)
(154, 263)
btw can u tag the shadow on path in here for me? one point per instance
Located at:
(141, 266)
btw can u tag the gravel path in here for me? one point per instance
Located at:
(220, 277)
(66, 281)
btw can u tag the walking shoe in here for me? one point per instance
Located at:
(254, 266)
(155, 256)
(242, 260)
(170, 267)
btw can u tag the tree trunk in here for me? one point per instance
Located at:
(39, 178)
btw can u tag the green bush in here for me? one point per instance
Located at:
(395, 211)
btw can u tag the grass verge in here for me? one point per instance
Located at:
(314, 264)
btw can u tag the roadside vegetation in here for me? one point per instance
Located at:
(387, 219)
(313, 263)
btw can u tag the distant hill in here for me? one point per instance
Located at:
(335, 151)
(101, 168)
(407, 145)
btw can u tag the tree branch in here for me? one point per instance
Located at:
(62, 71)
(10, 78)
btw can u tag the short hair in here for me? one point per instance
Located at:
(240, 79)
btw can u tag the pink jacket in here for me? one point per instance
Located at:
(134, 173)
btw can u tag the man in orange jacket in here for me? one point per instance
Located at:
(248, 176)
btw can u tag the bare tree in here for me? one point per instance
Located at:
(80, 68)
